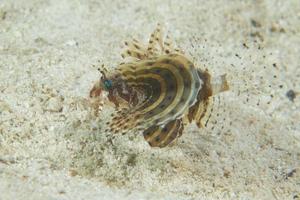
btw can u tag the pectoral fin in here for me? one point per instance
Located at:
(158, 136)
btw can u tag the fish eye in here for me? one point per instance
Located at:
(107, 84)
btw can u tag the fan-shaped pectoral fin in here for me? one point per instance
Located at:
(161, 136)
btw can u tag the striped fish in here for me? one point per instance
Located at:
(159, 92)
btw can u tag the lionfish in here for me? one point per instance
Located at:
(158, 92)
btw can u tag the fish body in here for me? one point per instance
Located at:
(159, 93)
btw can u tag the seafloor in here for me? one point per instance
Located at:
(52, 145)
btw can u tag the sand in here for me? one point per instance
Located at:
(52, 146)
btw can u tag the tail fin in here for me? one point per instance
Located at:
(219, 84)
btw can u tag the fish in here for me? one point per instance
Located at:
(159, 92)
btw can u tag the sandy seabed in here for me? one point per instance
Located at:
(53, 147)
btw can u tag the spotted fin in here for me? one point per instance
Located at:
(123, 121)
(198, 112)
(158, 136)
(134, 49)
(168, 45)
(155, 39)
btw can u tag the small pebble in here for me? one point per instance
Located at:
(291, 95)
(54, 104)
